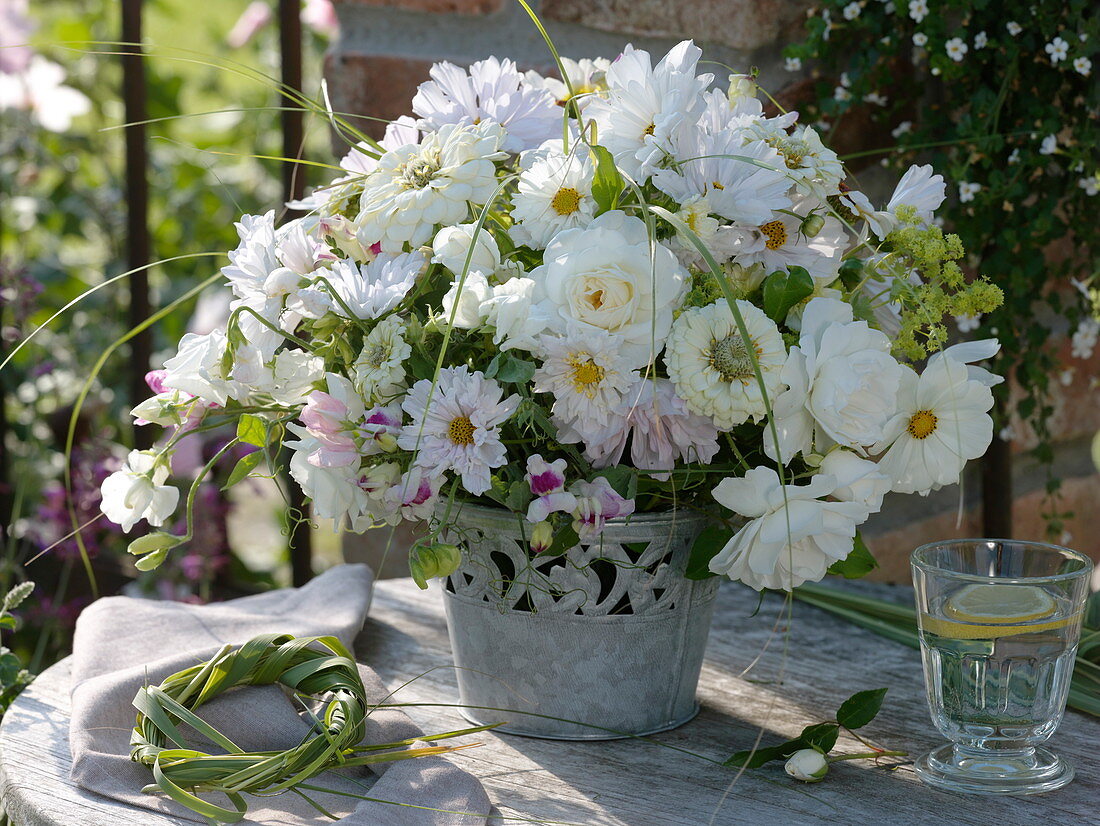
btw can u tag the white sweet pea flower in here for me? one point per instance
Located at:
(197, 367)
(452, 245)
(138, 492)
(793, 535)
(842, 384)
(857, 480)
(167, 409)
(807, 765)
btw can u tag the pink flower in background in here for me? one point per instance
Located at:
(597, 502)
(547, 481)
(16, 28)
(319, 15)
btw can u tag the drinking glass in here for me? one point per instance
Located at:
(999, 624)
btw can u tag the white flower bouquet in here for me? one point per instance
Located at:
(618, 292)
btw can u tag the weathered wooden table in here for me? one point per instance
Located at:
(673, 780)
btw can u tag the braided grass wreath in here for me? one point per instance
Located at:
(318, 668)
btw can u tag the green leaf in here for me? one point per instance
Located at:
(515, 370)
(519, 495)
(564, 539)
(7, 621)
(618, 477)
(17, 594)
(251, 430)
(607, 184)
(861, 708)
(820, 736)
(858, 563)
(247, 463)
(751, 759)
(782, 290)
(706, 547)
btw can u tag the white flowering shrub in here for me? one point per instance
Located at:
(579, 299)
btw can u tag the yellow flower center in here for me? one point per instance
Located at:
(649, 129)
(776, 234)
(921, 424)
(376, 356)
(587, 375)
(461, 431)
(566, 201)
(418, 173)
(730, 358)
(717, 185)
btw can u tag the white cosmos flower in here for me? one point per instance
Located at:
(372, 290)
(379, 368)
(712, 365)
(743, 182)
(780, 243)
(416, 188)
(492, 91)
(842, 384)
(648, 106)
(814, 168)
(555, 194)
(602, 276)
(942, 421)
(918, 188)
(138, 492)
(587, 375)
(793, 535)
(457, 428)
(586, 76)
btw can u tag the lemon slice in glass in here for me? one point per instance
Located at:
(999, 604)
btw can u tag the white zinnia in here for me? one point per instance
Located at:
(379, 368)
(491, 91)
(602, 276)
(648, 106)
(554, 194)
(813, 167)
(942, 422)
(456, 428)
(712, 365)
(842, 384)
(138, 492)
(587, 376)
(418, 187)
(793, 536)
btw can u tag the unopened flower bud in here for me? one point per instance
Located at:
(542, 536)
(386, 441)
(807, 765)
(812, 224)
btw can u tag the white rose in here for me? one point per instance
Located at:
(137, 492)
(518, 324)
(807, 765)
(602, 276)
(470, 300)
(842, 384)
(452, 245)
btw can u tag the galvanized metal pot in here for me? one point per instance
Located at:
(609, 637)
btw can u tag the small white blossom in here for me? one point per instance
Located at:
(793, 64)
(920, 39)
(1084, 339)
(852, 10)
(1006, 433)
(1082, 65)
(841, 94)
(875, 98)
(980, 40)
(968, 190)
(1014, 156)
(1065, 378)
(1091, 184)
(1049, 145)
(968, 323)
(1013, 27)
(845, 81)
(918, 9)
(1058, 49)
(956, 48)
(903, 128)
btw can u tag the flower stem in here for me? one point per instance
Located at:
(867, 755)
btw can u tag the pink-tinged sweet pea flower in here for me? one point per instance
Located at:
(380, 429)
(155, 380)
(252, 19)
(415, 493)
(596, 502)
(320, 15)
(324, 417)
(547, 481)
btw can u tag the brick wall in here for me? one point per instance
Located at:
(387, 46)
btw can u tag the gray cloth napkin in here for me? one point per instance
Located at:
(122, 643)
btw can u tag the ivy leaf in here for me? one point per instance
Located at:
(820, 736)
(861, 708)
(784, 289)
(251, 430)
(858, 563)
(607, 183)
(247, 463)
(706, 547)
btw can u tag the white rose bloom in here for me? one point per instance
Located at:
(196, 368)
(467, 299)
(138, 492)
(711, 366)
(807, 765)
(793, 535)
(842, 384)
(452, 245)
(418, 187)
(602, 276)
(942, 422)
(857, 480)
(510, 310)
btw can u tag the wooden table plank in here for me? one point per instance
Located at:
(801, 677)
